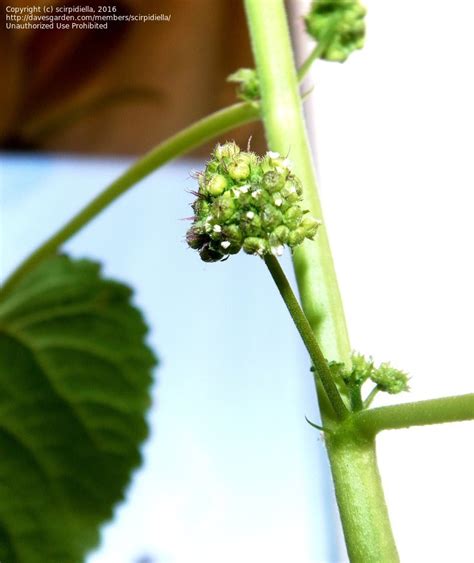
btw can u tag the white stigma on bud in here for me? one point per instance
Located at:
(287, 162)
(278, 202)
(277, 250)
(250, 215)
(292, 190)
(236, 192)
(273, 154)
(244, 189)
(225, 244)
(256, 194)
(217, 228)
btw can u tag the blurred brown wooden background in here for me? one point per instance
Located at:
(123, 90)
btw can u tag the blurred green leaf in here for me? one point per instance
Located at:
(75, 376)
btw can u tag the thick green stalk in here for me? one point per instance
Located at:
(353, 463)
(360, 498)
(286, 133)
(304, 328)
(434, 411)
(196, 134)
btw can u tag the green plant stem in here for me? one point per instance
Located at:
(371, 396)
(352, 456)
(360, 497)
(356, 399)
(319, 49)
(304, 328)
(196, 134)
(308, 62)
(286, 133)
(435, 411)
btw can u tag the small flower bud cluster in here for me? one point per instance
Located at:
(386, 377)
(246, 202)
(390, 379)
(340, 23)
(248, 88)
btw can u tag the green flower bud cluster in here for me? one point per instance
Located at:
(340, 23)
(386, 377)
(389, 379)
(248, 84)
(247, 202)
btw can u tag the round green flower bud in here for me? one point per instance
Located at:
(249, 158)
(310, 226)
(255, 245)
(281, 234)
(293, 216)
(271, 217)
(238, 170)
(291, 191)
(227, 150)
(223, 207)
(216, 185)
(232, 233)
(201, 207)
(273, 181)
(296, 236)
(212, 167)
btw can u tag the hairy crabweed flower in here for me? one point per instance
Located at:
(247, 202)
(386, 377)
(390, 379)
(341, 23)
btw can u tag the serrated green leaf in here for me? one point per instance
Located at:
(75, 376)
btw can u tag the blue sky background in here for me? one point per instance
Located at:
(232, 470)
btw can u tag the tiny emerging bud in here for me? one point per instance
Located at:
(248, 84)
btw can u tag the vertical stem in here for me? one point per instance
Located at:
(360, 498)
(352, 455)
(286, 133)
